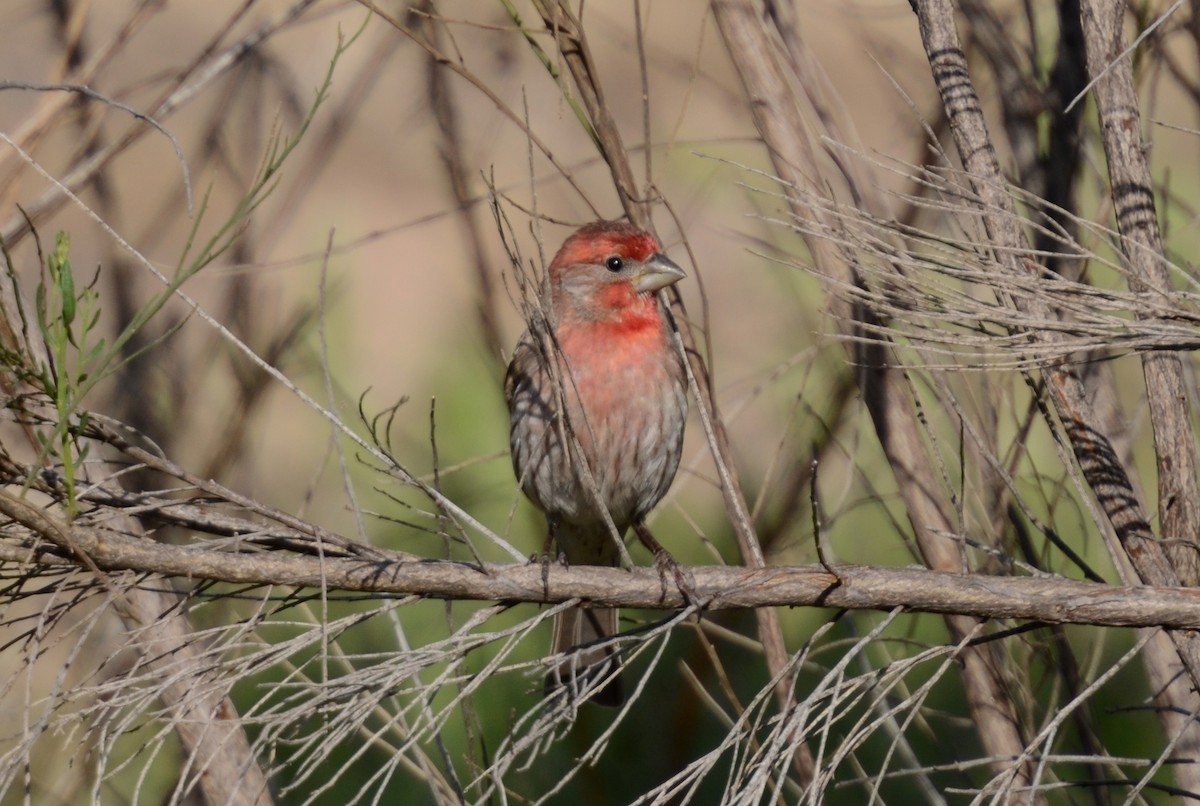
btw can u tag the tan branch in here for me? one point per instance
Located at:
(1050, 599)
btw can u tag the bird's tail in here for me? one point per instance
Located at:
(587, 656)
(580, 635)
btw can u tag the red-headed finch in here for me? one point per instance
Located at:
(625, 393)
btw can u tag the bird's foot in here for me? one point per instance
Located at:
(543, 559)
(665, 564)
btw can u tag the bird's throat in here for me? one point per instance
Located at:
(624, 312)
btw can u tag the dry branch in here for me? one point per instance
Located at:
(1050, 599)
(786, 90)
(1149, 276)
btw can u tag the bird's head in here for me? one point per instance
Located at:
(609, 271)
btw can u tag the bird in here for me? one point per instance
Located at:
(597, 398)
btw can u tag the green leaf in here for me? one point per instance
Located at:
(65, 277)
(94, 353)
(40, 303)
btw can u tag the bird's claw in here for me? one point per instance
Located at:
(543, 558)
(665, 564)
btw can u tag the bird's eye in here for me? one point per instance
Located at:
(614, 263)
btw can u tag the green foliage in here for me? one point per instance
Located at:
(67, 320)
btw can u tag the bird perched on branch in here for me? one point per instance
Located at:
(606, 361)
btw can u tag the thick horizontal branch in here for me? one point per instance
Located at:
(1048, 599)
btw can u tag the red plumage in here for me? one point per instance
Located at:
(625, 394)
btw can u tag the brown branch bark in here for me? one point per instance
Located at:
(1049, 599)
(1133, 198)
(778, 94)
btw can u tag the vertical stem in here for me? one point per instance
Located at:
(1141, 242)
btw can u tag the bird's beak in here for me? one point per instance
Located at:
(659, 271)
